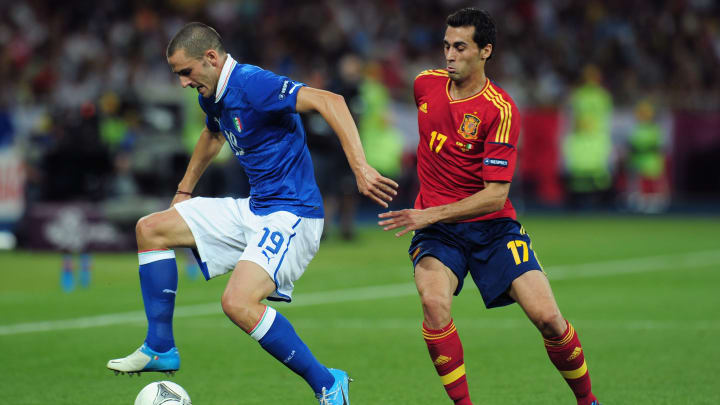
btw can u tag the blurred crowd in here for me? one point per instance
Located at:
(90, 103)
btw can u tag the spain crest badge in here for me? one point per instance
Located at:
(469, 127)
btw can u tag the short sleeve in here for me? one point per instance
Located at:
(501, 144)
(416, 92)
(265, 91)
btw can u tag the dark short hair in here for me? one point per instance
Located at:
(195, 38)
(480, 19)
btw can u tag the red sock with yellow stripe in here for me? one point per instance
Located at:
(446, 352)
(567, 355)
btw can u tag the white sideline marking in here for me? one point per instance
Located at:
(515, 323)
(597, 269)
(635, 265)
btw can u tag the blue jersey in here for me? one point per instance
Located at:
(255, 110)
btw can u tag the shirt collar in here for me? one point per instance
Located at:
(224, 77)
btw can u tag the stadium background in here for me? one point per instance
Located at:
(617, 183)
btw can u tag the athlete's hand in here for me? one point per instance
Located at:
(374, 186)
(179, 197)
(411, 219)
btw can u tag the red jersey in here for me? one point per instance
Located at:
(463, 142)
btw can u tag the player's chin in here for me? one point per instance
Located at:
(203, 91)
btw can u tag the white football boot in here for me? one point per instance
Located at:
(146, 359)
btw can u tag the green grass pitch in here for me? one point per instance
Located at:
(642, 293)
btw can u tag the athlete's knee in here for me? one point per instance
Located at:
(237, 308)
(436, 308)
(231, 304)
(147, 233)
(550, 323)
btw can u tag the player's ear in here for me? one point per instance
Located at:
(486, 51)
(212, 57)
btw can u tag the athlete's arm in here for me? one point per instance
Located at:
(334, 110)
(490, 199)
(206, 148)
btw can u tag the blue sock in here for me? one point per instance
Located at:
(85, 266)
(158, 282)
(67, 279)
(277, 336)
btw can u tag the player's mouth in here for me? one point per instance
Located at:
(450, 69)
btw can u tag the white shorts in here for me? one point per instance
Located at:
(227, 231)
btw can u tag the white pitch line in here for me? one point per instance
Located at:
(598, 269)
(635, 265)
(512, 323)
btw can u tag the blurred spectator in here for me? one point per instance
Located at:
(55, 62)
(118, 123)
(591, 103)
(382, 142)
(648, 188)
(6, 128)
(118, 126)
(332, 172)
(587, 147)
(78, 166)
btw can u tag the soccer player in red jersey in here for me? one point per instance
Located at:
(463, 220)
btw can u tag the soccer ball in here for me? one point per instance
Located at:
(163, 392)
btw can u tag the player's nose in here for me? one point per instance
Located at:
(184, 81)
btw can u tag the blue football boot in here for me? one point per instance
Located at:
(146, 359)
(338, 394)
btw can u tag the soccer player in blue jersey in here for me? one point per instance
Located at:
(266, 240)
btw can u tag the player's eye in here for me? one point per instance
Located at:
(184, 72)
